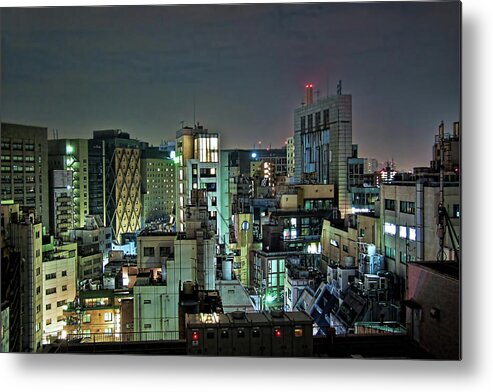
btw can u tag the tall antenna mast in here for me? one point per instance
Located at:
(194, 108)
(327, 83)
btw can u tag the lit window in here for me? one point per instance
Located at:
(412, 234)
(390, 228)
(403, 231)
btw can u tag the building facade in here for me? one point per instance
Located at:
(59, 285)
(24, 167)
(409, 216)
(122, 184)
(197, 154)
(26, 239)
(61, 202)
(158, 185)
(73, 155)
(323, 143)
(290, 157)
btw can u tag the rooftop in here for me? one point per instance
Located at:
(451, 269)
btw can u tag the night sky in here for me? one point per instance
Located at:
(139, 68)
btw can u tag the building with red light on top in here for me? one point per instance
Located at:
(323, 143)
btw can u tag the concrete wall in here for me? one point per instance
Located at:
(432, 290)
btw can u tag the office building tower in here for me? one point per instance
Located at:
(73, 155)
(97, 179)
(122, 181)
(158, 185)
(197, 153)
(24, 167)
(323, 143)
(10, 283)
(61, 202)
(26, 239)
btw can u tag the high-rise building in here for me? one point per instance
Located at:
(97, 179)
(158, 184)
(72, 155)
(24, 167)
(61, 202)
(197, 153)
(323, 143)
(10, 283)
(26, 239)
(122, 181)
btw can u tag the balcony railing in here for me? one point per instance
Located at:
(117, 337)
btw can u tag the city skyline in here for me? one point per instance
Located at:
(246, 66)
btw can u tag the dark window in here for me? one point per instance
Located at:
(326, 117)
(390, 252)
(211, 186)
(51, 291)
(317, 119)
(164, 251)
(310, 122)
(148, 252)
(407, 207)
(390, 204)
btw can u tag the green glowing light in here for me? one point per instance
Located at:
(270, 298)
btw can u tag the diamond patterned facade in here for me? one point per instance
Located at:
(124, 204)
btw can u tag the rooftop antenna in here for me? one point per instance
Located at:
(194, 106)
(339, 87)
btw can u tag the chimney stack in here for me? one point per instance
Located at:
(309, 93)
